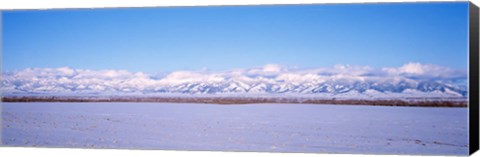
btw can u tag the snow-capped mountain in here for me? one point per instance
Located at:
(412, 79)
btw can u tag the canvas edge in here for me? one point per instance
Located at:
(473, 79)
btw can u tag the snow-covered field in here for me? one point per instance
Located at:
(254, 127)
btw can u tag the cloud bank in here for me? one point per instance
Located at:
(407, 80)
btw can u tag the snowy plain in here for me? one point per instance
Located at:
(252, 127)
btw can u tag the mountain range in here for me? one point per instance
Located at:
(409, 80)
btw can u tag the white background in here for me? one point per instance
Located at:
(48, 4)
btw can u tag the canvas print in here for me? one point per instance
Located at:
(376, 78)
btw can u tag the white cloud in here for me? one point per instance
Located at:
(273, 68)
(425, 70)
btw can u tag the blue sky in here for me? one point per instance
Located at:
(227, 37)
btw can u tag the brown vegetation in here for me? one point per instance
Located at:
(242, 100)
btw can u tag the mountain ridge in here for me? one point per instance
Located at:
(410, 80)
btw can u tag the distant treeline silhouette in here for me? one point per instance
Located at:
(245, 100)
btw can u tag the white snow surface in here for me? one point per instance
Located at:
(255, 127)
(411, 79)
